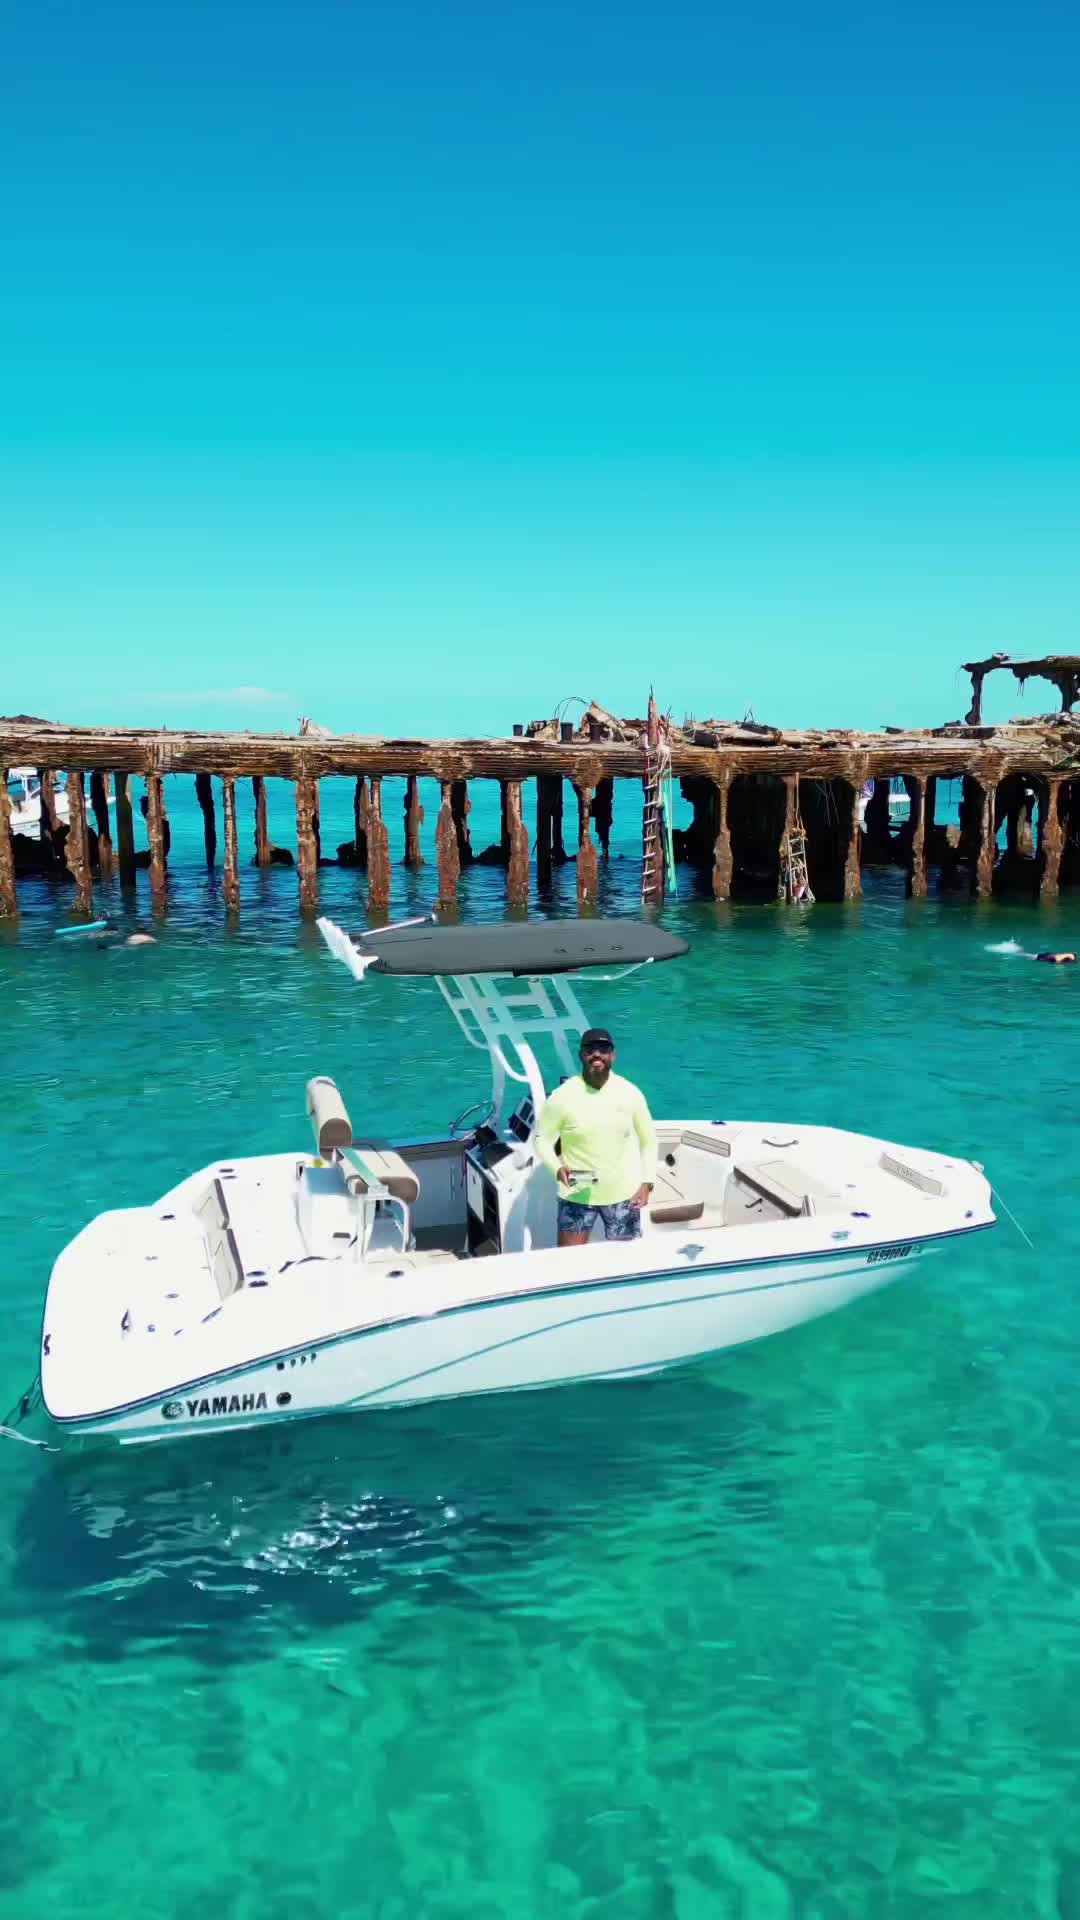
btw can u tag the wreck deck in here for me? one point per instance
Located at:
(751, 787)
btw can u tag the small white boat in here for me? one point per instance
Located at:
(368, 1273)
(24, 797)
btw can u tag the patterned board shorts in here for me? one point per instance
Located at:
(620, 1220)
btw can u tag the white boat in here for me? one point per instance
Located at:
(24, 797)
(367, 1273)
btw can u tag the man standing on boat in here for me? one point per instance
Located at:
(597, 1140)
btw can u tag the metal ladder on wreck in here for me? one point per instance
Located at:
(658, 849)
(794, 885)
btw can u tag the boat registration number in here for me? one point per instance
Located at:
(888, 1253)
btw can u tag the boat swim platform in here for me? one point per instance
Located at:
(859, 799)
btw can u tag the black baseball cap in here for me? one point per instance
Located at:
(597, 1037)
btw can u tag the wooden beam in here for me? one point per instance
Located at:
(982, 867)
(125, 829)
(378, 848)
(447, 855)
(414, 820)
(264, 852)
(50, 827)
(543, 830)
(50, 818)
(360, 814)
(603, 808)
(588, 860)
(1022, 829)
(461, 807)
(973, 716)
(517, 876)
(307, 854)
(9, 905)
(231, 874)
(813, 754)
(877, 840)
(917, 798)
(1051, 838)
(723, 861)
(204, 794)
(155, 833)
(791, 804)
(558, 849)
(99, 800)
(853, 856)
(77, 845)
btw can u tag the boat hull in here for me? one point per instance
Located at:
(600, 1329)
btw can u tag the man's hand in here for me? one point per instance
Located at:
(563, 1177)
(641, 1197)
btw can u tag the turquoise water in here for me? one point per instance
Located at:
(793, 1634)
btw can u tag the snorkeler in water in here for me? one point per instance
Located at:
(1057, 959)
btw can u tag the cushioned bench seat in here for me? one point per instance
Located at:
(789, 1187)
(669, 1204)
(676, 1212)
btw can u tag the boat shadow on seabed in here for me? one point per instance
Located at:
(334, 1517)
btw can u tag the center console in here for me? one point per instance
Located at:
(507, 1197)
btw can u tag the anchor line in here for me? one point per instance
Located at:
(26, 1404)
(11, 1433)
(1006, 1209)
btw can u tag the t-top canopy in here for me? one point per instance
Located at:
(546, 946)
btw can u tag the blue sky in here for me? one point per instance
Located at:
(415, 367)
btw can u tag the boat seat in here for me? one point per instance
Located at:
(670, 1214)
(672, 1205)
(789, 1187)
(212, 1211)
(225, 1264)
(222, 1252)
(706, 1143)
(387, 1166)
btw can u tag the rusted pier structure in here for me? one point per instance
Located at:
(859, 799)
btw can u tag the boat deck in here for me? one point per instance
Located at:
(137, 1305)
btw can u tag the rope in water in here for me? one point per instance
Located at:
(11, 1433)
(1006, 1209)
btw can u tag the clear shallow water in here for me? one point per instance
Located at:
(794, 1633)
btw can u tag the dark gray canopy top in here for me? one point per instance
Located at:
(522, 947)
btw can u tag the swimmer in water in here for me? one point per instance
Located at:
(114, 940)
(1057, 959)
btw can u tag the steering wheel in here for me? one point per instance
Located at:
(485, 1108)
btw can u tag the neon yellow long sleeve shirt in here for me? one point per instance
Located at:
(606, 1131)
